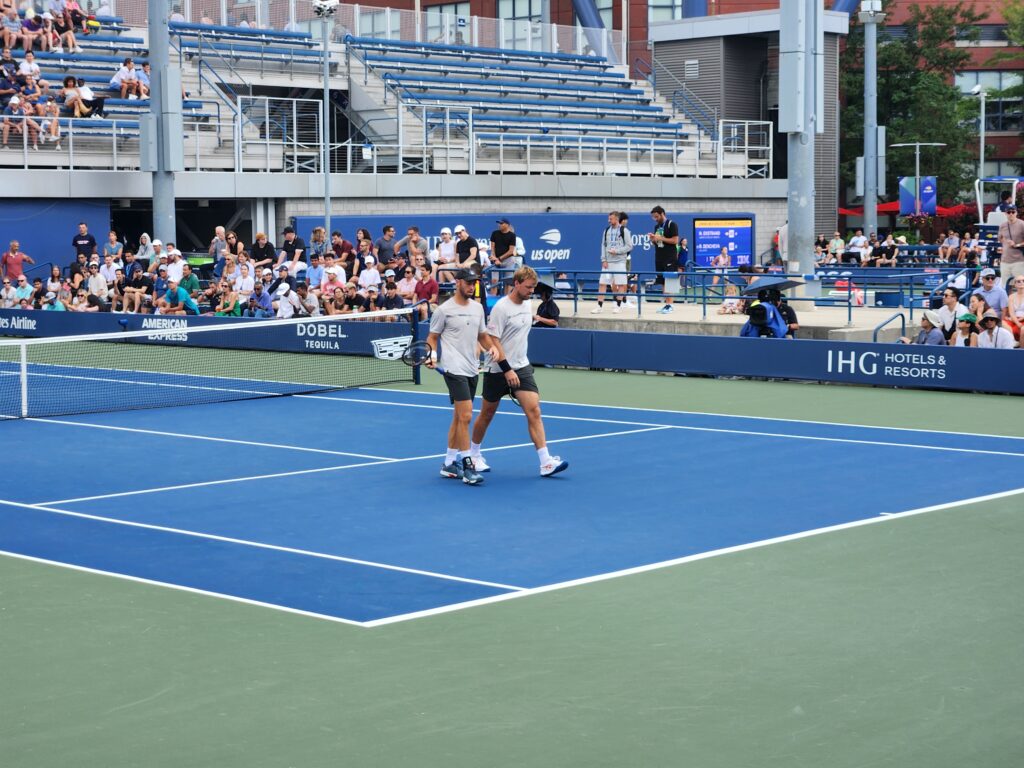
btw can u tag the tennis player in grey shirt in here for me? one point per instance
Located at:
(459, 325)
(509, 325)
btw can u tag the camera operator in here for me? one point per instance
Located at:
(765, 318)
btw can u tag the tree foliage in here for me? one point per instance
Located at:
(917, 100)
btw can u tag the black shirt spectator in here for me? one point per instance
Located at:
(547, 313)
(263, 255)
(83, 242)
(390, 299)
(464, 248)
(502, 242)
(80, 266)
(789, 317)
(291, 246)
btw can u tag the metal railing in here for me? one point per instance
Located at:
(390, 24)
(903, 326)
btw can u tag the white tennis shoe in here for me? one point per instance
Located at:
(553, 466)
(480, 465)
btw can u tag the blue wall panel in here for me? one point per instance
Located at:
(44, 228)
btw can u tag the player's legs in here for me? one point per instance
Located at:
(492, 395)
(458, 432)
(461, 391)
(483, 421)
(534, 424)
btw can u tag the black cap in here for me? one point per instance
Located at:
(284, 267)
(504, 221)
(470, 274)
(288, 231)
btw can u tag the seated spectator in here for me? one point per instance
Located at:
(229, 271)
(64, 31)
(91, 104)
(96, 285)
(77, 16)
(8, 88)
(13, 260)
(823, 258)
(992, 292)
(143, 75)
(315, 273)
(309, 300)
(857, 248)
(343, 251)
(159, 285)
(51, 303)
(38, 291)
(117, 291)
(976, 305)
(950, 310)
(259, 304)
(949, 248)
(291, 253)
(55, 281)
(992, 334)
(29, 69)
(331, 281)
(970, 243)
(126, 81)
(731, 303)
(421, 264)
(228, 306)
(407, 286)
(546, 313)
(13, 31)
(930, 332)
(244, 284)
(23, 289)
(31, 93)
(370, 299)
(137, 291)
(86, 302)
(233, 245)
(426, 289)
(49, 127)
(267, 278)
(368, 278)
(283, 276)
(334, 302)
(144, 253)
(966, 333)
(108, 270)
(112, 247)
(262, 253)
(1013, 315)
(287, 303)
(317, 244)
(885, 253)
(390, 299)
(17, 120)
(79, 270)
(8, 64)
(189, 282)
(130, 265)
(8, 295)
(177, 301)
(33, 32)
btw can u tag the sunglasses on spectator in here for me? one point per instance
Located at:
(989, 277)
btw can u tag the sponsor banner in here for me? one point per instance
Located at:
(908, 195)
(552, 241)
(710, 236)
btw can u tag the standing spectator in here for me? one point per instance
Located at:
(426, 289)
(966, 333)
(407, 286)
(1011, 237)
(991, 291)
(950, 310)
(613, 264)
(291, 253)
(310, 303)
(992, 335)
(664, 238)
(259, 303)
(263, 253)
(930, 332)
(384, 248)
(83, 242)
(13, 260)
(126, 80)
(8, 295)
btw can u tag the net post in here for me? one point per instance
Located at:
(23, 377)
(415, 337)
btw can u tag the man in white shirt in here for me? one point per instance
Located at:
(509, 323)
(175, 266)
(126, 80)
(992, 335)
(288, 303)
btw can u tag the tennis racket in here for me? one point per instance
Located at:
(419, 352)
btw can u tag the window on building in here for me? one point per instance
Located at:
(382, 24)
(1002, 112)
(444, 23)
(664, 10)
(522, 28)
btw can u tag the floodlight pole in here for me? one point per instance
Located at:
(871, 16)
(326, 15)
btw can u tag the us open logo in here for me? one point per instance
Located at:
(391, 349)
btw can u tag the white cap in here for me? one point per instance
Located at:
(282, 289)
(267, 271)
(459, 228)
(14, 100)
(369, 259)
(389, 272)
(156, 242)
(336, 271)
(47, 16)
(445, 231)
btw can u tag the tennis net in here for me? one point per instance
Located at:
(173, 363)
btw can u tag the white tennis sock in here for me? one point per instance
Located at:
(543, 455)
(451, 456)
(474, 449)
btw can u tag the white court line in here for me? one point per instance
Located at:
(232, 441)
(725, 415)
(688, 559)
(180, 588)
(721, 430)
(254, 544)
(330, 469)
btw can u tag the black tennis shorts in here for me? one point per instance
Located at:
(495, 386)
(664, 264)
(461, 387)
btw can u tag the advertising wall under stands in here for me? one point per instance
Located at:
(890, 365)
(565, 241)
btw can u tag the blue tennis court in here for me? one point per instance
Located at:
(331, 504)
